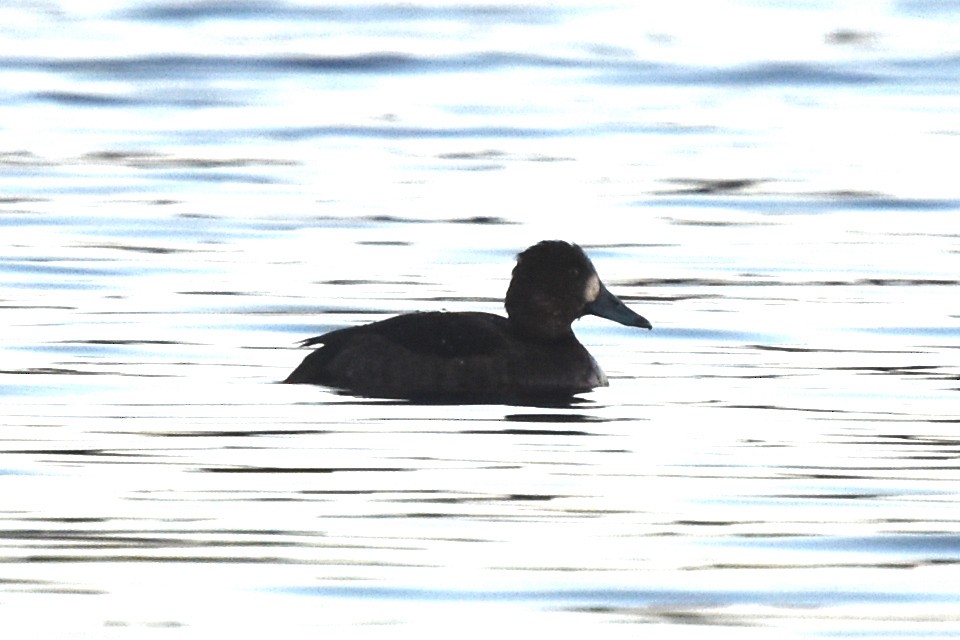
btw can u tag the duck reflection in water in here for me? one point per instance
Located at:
(480, 357)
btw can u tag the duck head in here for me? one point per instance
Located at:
(553, 284)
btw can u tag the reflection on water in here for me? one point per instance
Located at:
(189, 189)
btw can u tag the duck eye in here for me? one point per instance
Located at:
(574, 271)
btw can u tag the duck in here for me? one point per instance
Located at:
(469, 356)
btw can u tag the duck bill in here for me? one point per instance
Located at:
(611, 307)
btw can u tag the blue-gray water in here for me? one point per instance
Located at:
(187, 189)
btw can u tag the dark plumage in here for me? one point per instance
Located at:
(482, 357)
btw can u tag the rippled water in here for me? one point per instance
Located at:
(188, 189)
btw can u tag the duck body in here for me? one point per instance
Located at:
(437, 355)
(473, 356)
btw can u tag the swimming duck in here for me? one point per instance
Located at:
(473, 356)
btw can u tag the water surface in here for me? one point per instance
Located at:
(188, 189)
